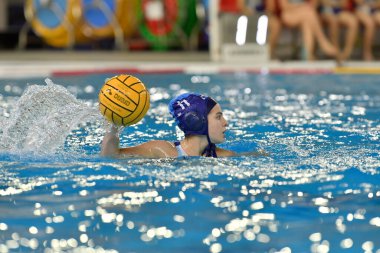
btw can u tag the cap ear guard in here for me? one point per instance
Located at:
(192, 121)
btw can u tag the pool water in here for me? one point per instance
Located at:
(317, 191)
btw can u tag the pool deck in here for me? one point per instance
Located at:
(24, 64)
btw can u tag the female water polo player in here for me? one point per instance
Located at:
(199, 117)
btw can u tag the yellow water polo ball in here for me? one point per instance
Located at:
(124, 100)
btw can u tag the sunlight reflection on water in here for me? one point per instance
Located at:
(317, 191)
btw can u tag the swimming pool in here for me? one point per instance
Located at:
(317, 191)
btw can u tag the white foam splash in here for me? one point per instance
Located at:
(42, 118)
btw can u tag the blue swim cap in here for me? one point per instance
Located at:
(190, 111)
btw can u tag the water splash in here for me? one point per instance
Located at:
(42, 118)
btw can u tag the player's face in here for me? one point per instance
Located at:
(217, 125)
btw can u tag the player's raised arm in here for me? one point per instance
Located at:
(110, 143)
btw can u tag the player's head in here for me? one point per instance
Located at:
(191, 111)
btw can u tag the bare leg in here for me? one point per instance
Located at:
(333, 28)
(308, 40)
(327, 47)
(351, 24)
(369, 32)
(306, 16)
(376, 17)
(274, 32)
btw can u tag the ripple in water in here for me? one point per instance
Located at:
(317, 191)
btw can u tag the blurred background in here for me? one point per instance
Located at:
(216, 27)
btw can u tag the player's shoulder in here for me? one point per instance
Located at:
(161, 148)
(160, 143)
(224, 152)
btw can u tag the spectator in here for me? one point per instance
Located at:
(368, 14)
(304, 16)
(335, 13)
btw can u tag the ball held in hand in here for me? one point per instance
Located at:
(124, 100)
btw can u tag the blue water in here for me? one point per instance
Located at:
(317, 191)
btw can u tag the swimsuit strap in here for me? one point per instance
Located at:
(181, 152)
(210, 150)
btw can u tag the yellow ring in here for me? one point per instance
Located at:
(72, 15)
(63, 41)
